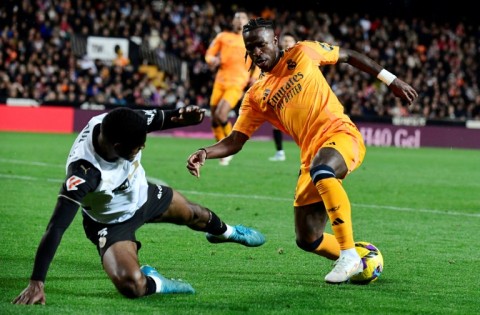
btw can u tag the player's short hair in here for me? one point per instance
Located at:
(289, 34)
(253, 24)
(124, 125)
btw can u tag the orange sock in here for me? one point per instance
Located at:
(338, 210)
(218, 133)
(329, 247)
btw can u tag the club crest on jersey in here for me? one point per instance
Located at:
(291, 64)
(102, 240)
(124, 186)
(73, 182)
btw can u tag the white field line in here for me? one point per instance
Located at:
(240, 196)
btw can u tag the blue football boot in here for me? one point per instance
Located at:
(241, 235)
(165, 285)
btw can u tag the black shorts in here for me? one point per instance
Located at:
(105, 235)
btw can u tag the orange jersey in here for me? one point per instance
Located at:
(295, 97)
(233, 69)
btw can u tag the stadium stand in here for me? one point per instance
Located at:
(44, 55)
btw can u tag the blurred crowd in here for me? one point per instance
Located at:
(38, 61)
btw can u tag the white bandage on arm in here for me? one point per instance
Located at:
(386, 76)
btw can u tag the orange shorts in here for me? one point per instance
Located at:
(231, 94)
(349, 143)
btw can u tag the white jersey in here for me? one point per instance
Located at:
(123, 186)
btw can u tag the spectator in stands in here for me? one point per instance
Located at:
(420, 51)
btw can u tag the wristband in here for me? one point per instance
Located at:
(205, 150)
(386, 76)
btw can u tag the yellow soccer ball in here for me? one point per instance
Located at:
(372, 260)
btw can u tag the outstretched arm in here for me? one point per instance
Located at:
(397, 86)
(81, 178)
(62, 217)
(212, 55)
(166, 119)
(189, 115)
(229, 145)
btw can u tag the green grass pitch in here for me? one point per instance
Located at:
(421, 207)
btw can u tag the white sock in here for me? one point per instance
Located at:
(158, 283)
(349, 253)
(228, 232)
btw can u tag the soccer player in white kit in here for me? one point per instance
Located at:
(107, 181)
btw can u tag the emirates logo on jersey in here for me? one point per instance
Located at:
(73, 182)
(287, 91)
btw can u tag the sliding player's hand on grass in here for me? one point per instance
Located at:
(32, 294)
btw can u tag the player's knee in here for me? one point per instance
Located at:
(320, 172)
(218, 117)
(309, 246)
(129, 284)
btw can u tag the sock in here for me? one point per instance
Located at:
(329, 247)
(338, 210)
(154, 285)
(352, 252)
(227, 128)
(218, 132)
(227, 233)
(216, 226)
(277, 137)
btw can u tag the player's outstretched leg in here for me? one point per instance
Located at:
(165, 285)
(241, 235)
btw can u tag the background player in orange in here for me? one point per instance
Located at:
(227, 54)
(287, 40)
(293, 95)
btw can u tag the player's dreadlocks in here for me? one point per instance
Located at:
(253, 24)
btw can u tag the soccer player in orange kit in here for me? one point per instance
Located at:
(293, 95)
(227, 54)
